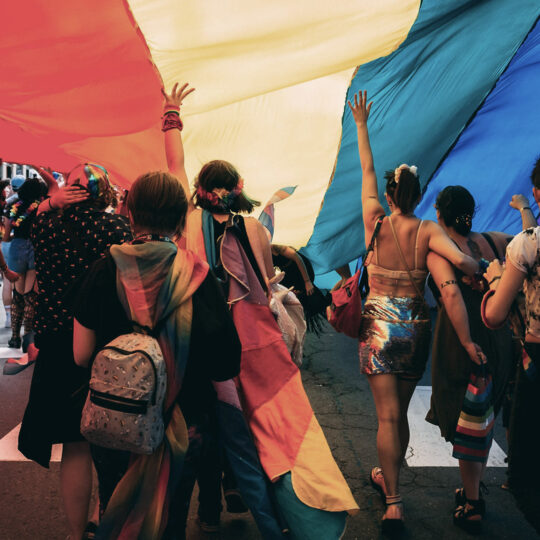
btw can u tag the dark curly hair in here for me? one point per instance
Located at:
(535, 175)
(457, 207)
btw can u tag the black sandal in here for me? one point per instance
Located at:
(461, 498)
(392, 526)
(464, 513)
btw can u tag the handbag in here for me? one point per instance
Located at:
(345, 311)
(474, 431)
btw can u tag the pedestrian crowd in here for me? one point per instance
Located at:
(166, 332)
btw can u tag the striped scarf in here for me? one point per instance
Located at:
(155, 282)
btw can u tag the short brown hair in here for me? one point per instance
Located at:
(157, 202)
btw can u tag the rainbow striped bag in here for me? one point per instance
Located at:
(474, 432)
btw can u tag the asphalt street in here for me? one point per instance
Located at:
(30, 506)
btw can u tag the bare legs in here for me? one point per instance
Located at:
(76, 485)
(471, 474)
(392, 397)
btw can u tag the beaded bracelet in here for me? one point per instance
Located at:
(448, 282)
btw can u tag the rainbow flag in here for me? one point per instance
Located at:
(267, 215)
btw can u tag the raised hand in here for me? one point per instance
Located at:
(361, 108)
(519, 202)
(177, 95)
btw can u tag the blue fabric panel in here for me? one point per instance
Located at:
(251, 480)
(424, 94)
(494, 156)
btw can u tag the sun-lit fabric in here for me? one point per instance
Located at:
(495, 154)
(77, 85)
(424, 94)
(81, 83)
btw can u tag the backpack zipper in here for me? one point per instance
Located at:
(145, 354)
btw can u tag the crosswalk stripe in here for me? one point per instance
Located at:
(9, 451)
(426, 446)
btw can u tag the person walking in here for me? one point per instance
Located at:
(395, 331)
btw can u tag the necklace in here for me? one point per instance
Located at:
(151, 237)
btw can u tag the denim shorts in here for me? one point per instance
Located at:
(21, 256)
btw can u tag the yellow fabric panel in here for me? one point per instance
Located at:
(336, 495)
(271, 79)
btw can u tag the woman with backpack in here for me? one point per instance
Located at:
(151, 285)
(289, 440)
(395, 331)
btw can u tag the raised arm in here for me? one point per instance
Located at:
(48, 178)
(521, 203)
(172, 129)
(440, 243)
(371, 205)
(445, 279)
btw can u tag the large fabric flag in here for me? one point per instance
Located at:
(466, 71)
(82, 82)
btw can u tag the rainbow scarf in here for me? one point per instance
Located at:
(310, 489)
(155, 281)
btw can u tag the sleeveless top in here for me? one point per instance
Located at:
(402, 276)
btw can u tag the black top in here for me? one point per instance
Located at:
(214, 348)
(66, 244)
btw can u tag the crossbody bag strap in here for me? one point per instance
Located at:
(374, 236)
(403, 258)
(491, 243)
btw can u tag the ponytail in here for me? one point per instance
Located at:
(403, 187)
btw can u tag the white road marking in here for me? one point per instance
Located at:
(426, 446)
(6, 352)
(9, 451)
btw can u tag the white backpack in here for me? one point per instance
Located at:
(124, 407)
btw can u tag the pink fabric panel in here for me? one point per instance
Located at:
(78, 84)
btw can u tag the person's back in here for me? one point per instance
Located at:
(151, 284)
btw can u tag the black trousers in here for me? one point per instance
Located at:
(524, 441)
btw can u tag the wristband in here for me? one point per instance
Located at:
(50, 204)
(172, 121)
(525, 208)
(494, 279)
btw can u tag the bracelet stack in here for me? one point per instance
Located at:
(171, 119)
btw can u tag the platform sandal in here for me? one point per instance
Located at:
(392, 526)
(469, 516)
(377, 474)
(461, 498)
